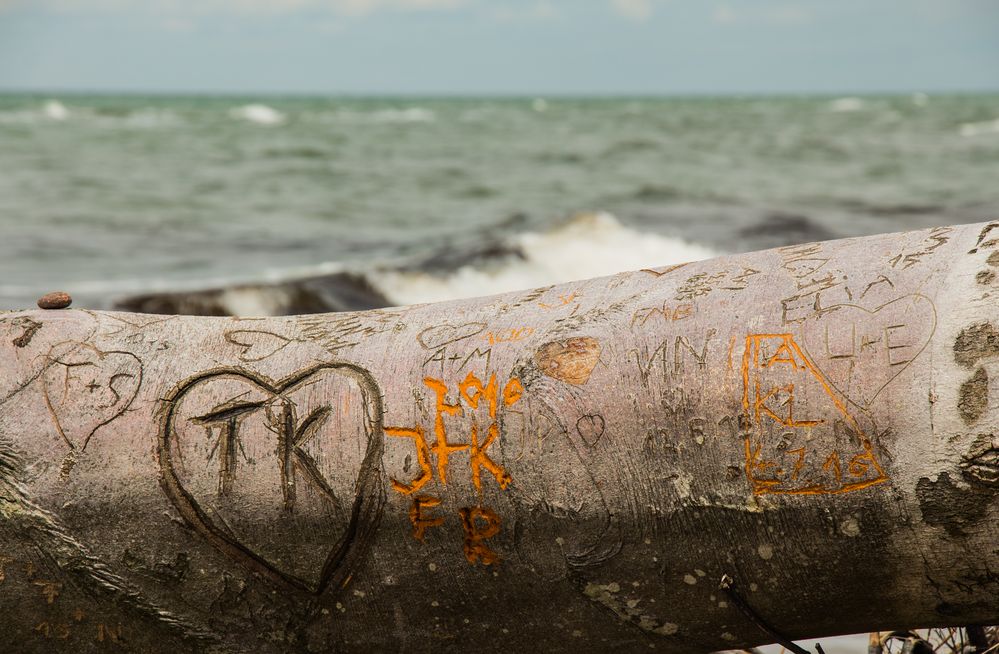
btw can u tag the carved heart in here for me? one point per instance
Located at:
(86, 388)
(256, 345)
(571, 360)
(860, 351)
(282, 477)
(26, 339)
(590, 428)
(434, 337)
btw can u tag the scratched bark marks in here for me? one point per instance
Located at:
(568, 468)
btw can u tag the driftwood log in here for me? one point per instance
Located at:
(570, 468)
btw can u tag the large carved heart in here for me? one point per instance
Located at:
(281, 476)
(861, 351)
(85, 388)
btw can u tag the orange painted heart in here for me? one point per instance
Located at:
(571, 360)
(861, 351)
(280, 476)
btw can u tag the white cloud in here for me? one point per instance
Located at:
(639, 10)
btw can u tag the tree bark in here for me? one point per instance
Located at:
(570, 468)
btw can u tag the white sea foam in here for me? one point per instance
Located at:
(51, 110)
(410, 115)
(981, 128)
(840, 105)
(150, 118)
(55, 110)
(260, 114)
(383, 116)
(589, 245)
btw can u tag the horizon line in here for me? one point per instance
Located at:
(511, 95)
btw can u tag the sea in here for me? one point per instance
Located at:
(112, 196)
(423, 199)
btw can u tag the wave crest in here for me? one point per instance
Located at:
(588, 245)
(260, 114)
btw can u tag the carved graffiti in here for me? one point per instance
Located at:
(702, 284)
(509, 335)
(91, 387)
(861, 351)
(815, 282)
(564, 300)
(937, 238)
(433, 459)
(671, 357)
(799, 436)
(280, 476)
(336, 332)
(664, 313)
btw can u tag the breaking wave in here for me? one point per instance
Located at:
(841, 105)
(55, 110)
(377, 117)
(980, 129)
(260, 114)
(588, 245)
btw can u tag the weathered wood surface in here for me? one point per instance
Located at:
(571, 468)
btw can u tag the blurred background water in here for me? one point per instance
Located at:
(436, 198)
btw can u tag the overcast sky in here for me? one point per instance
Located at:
(470, 47)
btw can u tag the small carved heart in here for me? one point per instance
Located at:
(440, 335)
(590, 428)
(86, 388)
(256, 345)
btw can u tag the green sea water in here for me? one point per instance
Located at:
(112, 195)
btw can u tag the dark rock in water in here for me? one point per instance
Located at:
(455, 257)
(891, 210)
(779, 229)
(326, 293)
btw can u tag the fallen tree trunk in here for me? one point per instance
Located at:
(568, 468)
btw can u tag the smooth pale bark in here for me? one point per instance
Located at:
(570, 468)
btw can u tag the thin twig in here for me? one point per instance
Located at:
(727, 584)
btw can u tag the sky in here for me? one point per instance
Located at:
(484, 47)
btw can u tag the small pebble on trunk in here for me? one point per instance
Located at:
(56, 300)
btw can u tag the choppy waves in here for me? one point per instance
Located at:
(55, 112)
